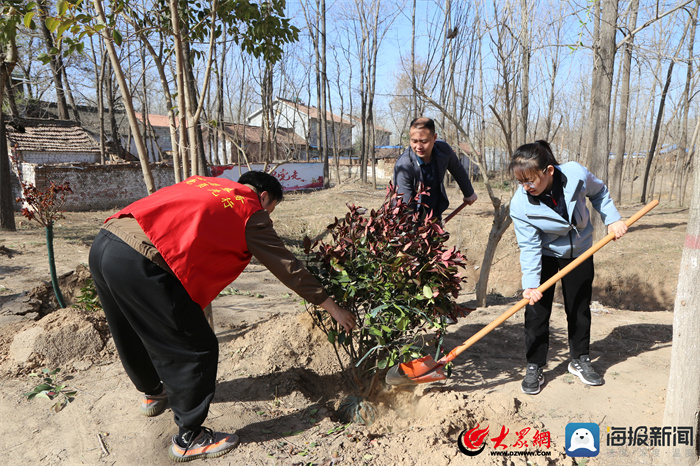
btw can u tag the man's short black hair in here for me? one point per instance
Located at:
(423, 122)
(263, 182)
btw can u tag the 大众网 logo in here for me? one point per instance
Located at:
(472, 441)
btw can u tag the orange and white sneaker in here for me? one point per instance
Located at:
(206, 444)
(153, 405)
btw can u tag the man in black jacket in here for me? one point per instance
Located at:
(426, 161)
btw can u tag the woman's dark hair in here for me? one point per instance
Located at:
(262, 181)
(531, 158)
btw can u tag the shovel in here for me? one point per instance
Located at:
(455, 212)
(426, 369)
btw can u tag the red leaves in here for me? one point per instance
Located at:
(44, 205)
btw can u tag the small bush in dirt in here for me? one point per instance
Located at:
(88, 299)
(44, 206)
(391, 268)
(51, 389)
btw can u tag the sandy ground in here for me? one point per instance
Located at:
(279, 385)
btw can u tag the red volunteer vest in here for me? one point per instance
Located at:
(198, 226)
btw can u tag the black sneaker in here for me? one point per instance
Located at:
(207, 444)
(534, 378)
(583, 368)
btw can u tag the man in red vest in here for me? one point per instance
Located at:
(158, 262)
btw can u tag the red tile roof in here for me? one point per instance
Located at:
(157, 121)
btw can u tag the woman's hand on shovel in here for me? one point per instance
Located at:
(533, 294)
(619, 228)
(344, 317)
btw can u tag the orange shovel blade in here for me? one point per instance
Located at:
(423, 370)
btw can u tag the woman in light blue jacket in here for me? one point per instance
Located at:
(552, 226)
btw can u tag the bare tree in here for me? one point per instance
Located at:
(99, 70)
(604, 50)
(504, 45)
(56, 60)
(616, 179)
(679, 174)
(659, 118)
(525, 53)
(126, 98)
(683, 393)
(370, 26)
(8, 59)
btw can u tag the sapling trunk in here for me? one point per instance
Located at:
(52, 266)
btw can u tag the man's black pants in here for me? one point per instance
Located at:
(160, 333)
(577, 288)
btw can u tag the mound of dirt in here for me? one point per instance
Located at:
(289, 353)
(68, 338)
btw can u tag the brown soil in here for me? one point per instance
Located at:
(279, 383)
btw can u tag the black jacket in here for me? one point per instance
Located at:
(408, 174)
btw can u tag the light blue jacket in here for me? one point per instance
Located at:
(541, 231)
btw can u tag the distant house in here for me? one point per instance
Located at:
(382, 137)
(158, 140)
(304, 121)
(388, 152)
(246, 139)
(40, 141)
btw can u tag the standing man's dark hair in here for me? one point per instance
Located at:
(423, 122)
(263, 182)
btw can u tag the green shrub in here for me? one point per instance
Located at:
(88, 299)
(391, 268)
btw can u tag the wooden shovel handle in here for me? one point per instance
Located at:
(523, 302)
(455, 212)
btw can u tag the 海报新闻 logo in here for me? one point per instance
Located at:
(582, 439)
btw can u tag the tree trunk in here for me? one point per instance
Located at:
(8, 58)
(501, 222)
(175, 150)
(679, 173)
(414, 95)
(602, 82)
(99, 89)
(69, 92)
(111, 107)
(683, 393)
(61, 106)
(220, 116)
(193, 105)
(689, 159)
(616, 179)
(52, 266)
(323, 79)
(128, 104)
(180, 79)
(657, 128)
(525, 64)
